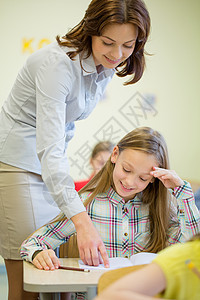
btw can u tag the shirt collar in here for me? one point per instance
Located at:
(89, 67)
(116, 199)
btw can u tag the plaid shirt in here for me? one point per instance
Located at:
(123, 227)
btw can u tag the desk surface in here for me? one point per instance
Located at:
(36, 280)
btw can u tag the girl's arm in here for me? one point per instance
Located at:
(46, 239)
(139, 285)
(188, 215)
(46, 259)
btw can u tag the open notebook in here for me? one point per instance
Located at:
(121, 262)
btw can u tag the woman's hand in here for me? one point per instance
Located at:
(46, 260)
(168, 177)
(91, 247)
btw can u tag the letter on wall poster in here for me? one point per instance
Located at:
(30, 45)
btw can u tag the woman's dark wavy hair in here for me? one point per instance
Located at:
(101, 13)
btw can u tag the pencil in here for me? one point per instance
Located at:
(192, 267)
(74, 269)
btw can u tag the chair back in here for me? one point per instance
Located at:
(110, 276)
(70, 248)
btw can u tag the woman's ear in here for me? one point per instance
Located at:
(115, 154)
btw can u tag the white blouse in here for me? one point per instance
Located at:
(51, 91)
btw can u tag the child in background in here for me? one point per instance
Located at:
(99, 157)
(175, 273)
(197, 198)
(135, 202)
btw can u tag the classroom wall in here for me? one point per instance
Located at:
(167, 98)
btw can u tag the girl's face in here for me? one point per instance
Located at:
(115, 45)
(131, 173)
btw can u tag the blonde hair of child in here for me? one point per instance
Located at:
(156, 196)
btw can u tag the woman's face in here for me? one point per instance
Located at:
(115, 45)
(131, 173)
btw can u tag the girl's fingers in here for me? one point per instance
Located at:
(46, 260)
(42, 262)
(37, 264)
(168, 177)
(55, 261)
(163, 172)
(50, 257)
(158, 173)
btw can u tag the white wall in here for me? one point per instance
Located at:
(170, 83)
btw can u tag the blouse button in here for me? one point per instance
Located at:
(125, 233)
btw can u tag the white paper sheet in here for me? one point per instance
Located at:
(121, 262)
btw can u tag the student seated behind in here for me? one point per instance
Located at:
(134, 190)
(197, 198)
(175, 273)
(99, 157)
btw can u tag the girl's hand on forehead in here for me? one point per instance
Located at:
(168, 177)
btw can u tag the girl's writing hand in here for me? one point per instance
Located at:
(168, 177)
(46, 260)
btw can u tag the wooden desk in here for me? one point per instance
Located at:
(47, 282)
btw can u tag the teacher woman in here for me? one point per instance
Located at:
(58, 85)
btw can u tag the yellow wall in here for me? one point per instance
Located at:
(170, 84)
